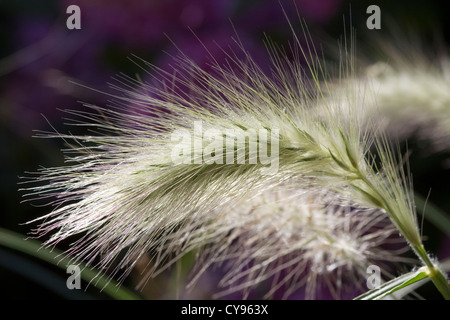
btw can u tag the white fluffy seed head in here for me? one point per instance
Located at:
(415, 101)
(122, 195)
(405, 91)
(300, 238)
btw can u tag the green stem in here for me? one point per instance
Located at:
(34, 248)
(434, 272)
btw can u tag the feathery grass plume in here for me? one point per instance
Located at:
(122, 193)
(411, 88)
(295, 237)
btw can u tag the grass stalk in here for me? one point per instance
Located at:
(35, 249)
(434, 272)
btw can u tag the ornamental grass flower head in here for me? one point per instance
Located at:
(294, 238)
(410, 84)
(240, 166)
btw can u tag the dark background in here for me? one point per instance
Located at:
(40, 58)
